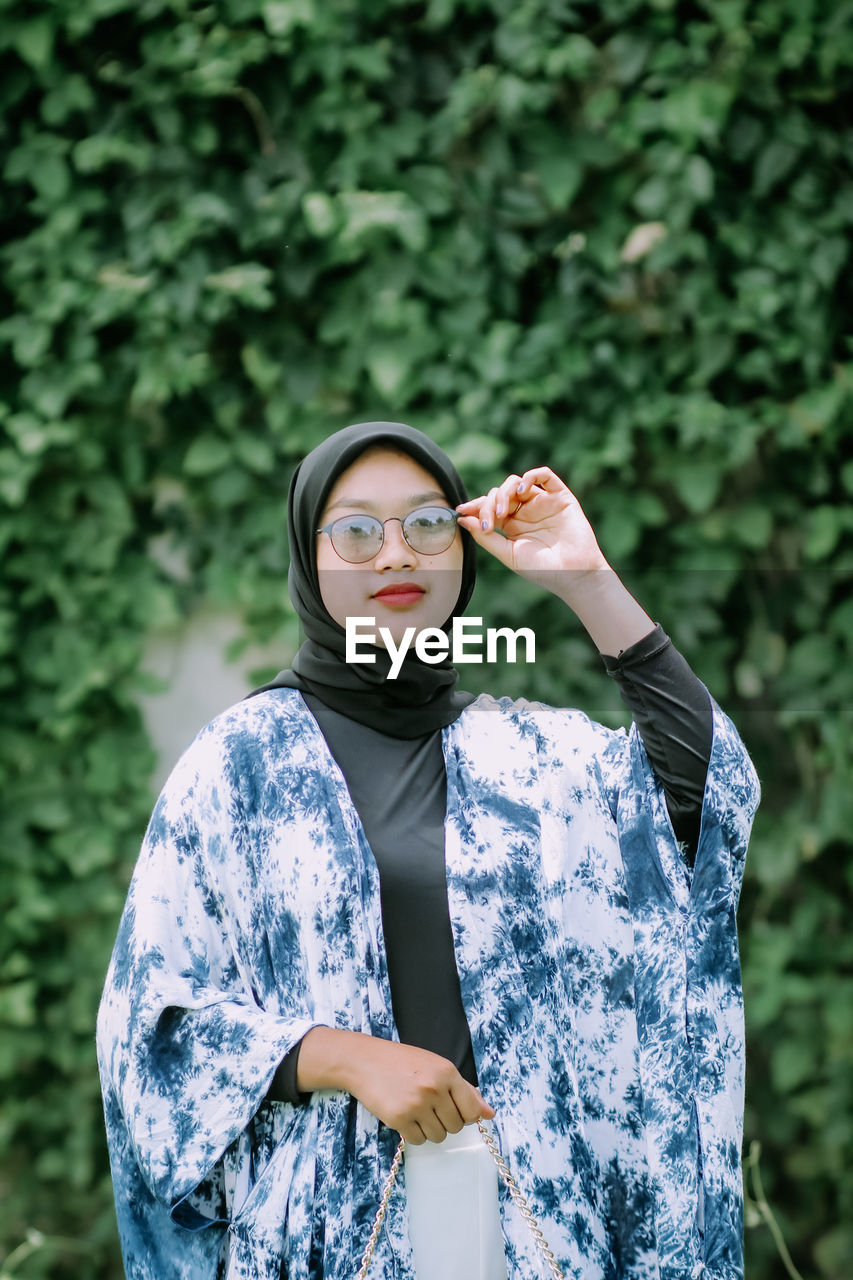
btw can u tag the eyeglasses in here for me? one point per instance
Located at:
(358, 538)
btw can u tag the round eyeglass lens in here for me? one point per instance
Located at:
(356, 538)
(430, 529)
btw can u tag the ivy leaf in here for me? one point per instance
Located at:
(774, 162)
(321, 216)
(696, 484)
(33, 40)
(206, 455)
(248, 283)
(254, 453)
(389, 367)
(561, 176)
(366, 212)
(822, 532)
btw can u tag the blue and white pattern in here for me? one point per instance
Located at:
(599, 974)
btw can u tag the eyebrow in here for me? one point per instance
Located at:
(365, 504)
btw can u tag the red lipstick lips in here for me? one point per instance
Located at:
(400, 593)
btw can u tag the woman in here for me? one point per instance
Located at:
(368, 908)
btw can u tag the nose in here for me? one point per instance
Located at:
(395, 552)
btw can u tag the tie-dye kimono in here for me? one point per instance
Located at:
(599, 975)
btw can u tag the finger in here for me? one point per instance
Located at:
(432, 1127)
(507, 495)
(471, 1105)
(413, 1133)
(449, 1114)
(487, 510)
(542, 476)
(496, 543)
(488, 1110)
(497, 504)
(503, 495)
(503, 491)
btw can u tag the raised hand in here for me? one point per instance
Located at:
(534, 524)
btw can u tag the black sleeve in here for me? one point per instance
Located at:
(283, 1087)
(672, 710)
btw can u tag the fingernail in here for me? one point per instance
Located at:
(520, 489)
(484, 524)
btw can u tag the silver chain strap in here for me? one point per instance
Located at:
(367, 1256)
(512, 1186)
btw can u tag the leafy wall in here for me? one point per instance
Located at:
(611, 236)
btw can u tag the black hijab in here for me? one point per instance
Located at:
(423, 697)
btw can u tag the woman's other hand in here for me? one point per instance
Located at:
(416, 1092)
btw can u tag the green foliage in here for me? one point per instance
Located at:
(610, 236)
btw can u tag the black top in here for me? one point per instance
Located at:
(399, 789)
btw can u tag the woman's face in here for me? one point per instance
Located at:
(385, 483)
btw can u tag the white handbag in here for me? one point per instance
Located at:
(511, 1185)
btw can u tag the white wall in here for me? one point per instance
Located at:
(200, 683)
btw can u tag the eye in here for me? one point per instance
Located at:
(355, 527)
(430, 529)
(431, 518)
